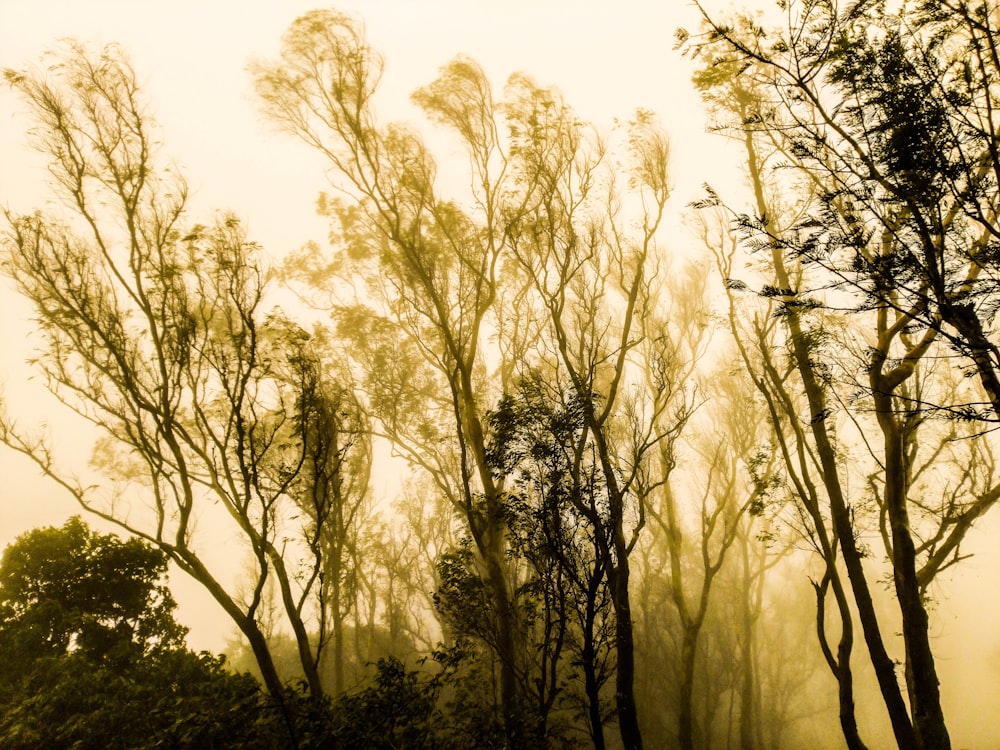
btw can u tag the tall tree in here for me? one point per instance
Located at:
(541, 259)
(557, 491)
(425, 261)
(901, 218)
(331, 443)
(152, 330)
(697, 536)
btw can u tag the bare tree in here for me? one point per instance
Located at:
(734, 478)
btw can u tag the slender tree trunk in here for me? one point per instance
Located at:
(269, 674)
(751, 602)
(588, 655)
(628, 715)
(921, 674)
(748, 682)
(885, 668)
(689, 653)
(337, 636)
(273, 683)
(845, 699)
(841, 667)
(843, 671)
(306, 660)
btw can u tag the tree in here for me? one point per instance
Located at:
(592, 270)
(95, 658)
(152, 330)
(735, 482)
(540, 441)
(887, 134)
(72, 590)
(422, 257)
(331, 453)
(540, 261)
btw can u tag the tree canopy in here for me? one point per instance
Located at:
(94, 658)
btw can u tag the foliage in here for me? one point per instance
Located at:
(171, 699)
(878, 235)
(74, 590)
(95, 659)
(397, 711)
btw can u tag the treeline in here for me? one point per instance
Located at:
(636, 469)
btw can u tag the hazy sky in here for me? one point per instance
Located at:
(607, 58)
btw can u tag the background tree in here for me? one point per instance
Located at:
(332, 447)
(735, 481)
(424, 260)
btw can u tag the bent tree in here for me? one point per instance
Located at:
(549, 261)
(152, 330)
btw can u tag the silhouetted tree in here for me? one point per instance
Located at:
(883, 112)
(153, 331)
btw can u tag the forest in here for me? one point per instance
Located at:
(659, 484)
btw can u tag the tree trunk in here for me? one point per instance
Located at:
(269, 674)
(337, 628)
(921, 674)
(507, 652)
(815, 398)
(885, 668)
(628, 715)
(306, 660)
(591, 683)
(685, 720)
(751, 604)
(845, 701)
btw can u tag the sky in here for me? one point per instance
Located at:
(607, 58)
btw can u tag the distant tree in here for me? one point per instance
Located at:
(328, 453)
(697, 535)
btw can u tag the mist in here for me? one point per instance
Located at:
(629, 386)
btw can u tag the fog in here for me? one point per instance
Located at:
(563, 395)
